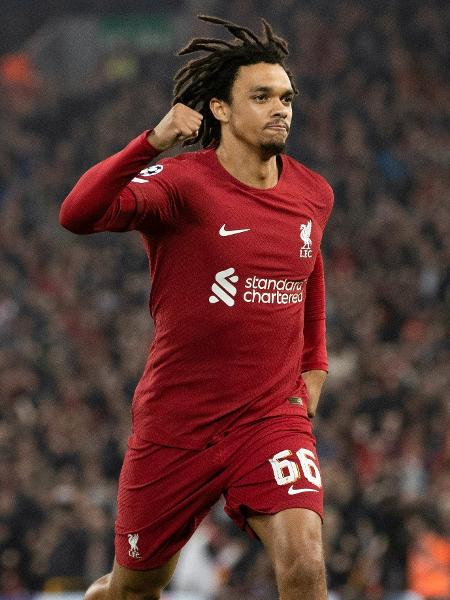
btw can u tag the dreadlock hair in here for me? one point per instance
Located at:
(212, 76)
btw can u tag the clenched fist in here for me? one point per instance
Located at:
(180, 123)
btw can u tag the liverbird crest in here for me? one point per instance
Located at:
(305, 234)
(133, 541)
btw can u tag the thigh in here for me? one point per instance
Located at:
(293, 540)
(150, 581)
(164, 493)
(289, 533)
(274, 468)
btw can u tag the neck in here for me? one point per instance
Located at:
(247, 165)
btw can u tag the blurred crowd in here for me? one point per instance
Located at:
(373, 116)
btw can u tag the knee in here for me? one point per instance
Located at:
(128, 593)
(105, 589)
(99, 589)
(300, 567)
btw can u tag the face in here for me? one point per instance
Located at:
(260, 111)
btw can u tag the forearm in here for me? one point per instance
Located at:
(314, 381)
(96, 202)
(98, 189)
(314, 357)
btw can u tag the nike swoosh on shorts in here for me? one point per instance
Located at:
(293, 491)
(224, 232)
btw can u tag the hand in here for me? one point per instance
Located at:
(180, 123)
(314, 381)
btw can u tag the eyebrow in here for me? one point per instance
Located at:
(268, 88)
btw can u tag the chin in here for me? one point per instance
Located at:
(271, 148)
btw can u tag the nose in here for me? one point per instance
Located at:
(279, 109)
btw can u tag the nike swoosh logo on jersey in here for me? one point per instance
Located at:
(292, 491)
(224, 232)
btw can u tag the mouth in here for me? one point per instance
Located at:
(278, 126)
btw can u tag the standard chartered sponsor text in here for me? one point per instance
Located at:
(273, 291)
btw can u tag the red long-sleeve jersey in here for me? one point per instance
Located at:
(237, 293)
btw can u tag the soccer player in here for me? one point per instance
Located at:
(234, 373)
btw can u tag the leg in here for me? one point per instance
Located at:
(293, 540)
(126, 584)
(275, 489)
(163, 495)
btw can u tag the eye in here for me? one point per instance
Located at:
(260, 98)
(288, 99)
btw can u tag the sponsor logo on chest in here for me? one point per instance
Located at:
(258, 290)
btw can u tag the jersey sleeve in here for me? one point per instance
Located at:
(314, 354)
(106, 198)
(326, 201)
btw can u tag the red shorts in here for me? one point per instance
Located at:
(164, 492)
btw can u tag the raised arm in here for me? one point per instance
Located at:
(99, 202)
(314, 357)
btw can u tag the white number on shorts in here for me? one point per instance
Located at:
(287, 471)
(309, 467)
(280, 467)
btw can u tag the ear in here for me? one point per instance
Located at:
(220, 110)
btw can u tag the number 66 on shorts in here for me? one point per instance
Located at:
(287, 470)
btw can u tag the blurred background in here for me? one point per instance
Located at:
(373, 116)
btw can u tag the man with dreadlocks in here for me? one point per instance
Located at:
(238, 359)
